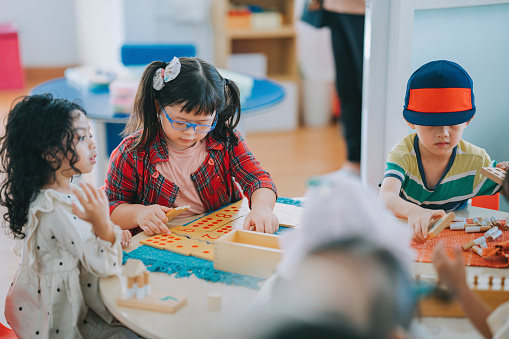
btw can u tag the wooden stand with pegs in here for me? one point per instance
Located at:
(492, 294)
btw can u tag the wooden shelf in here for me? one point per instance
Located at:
(283, 32)
(278, 45)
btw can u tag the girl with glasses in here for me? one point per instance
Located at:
(183, 149)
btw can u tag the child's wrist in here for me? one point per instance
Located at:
(460, 289)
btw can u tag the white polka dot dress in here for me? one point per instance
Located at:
(46, 299)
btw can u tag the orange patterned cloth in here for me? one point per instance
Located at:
(494, 253)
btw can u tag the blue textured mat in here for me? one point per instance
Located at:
(183, 266)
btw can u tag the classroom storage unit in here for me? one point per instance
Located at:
(263, 30)
(271, 32)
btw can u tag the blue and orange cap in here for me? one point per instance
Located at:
(439, 93)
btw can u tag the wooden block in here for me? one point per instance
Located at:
(237, 224)
(202, 250)
(213, 236)
(207, 224)
(176, 211)
(213, 221)
(183, 247)
(494, 173)
(160, 241)
(188, 231)
(440, 224)
(249, 253)
(156, 302)
(214, 302)
(133, 268)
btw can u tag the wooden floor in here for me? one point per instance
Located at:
(290, 157)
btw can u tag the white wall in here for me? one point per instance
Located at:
(100, 32)
(46, 31)
(170, 21)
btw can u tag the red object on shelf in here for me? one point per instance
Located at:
(487, 201)
(238, 18)
(11, 73)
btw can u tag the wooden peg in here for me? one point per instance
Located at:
(490, 231)
(477, 250)
(494, 235)
(477, 241)
(475, 229)
(494, 221)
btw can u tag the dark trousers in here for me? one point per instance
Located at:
(347, 33)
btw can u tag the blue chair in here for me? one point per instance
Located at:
(135, 55)
(141, 55)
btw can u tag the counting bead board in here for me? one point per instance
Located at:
(197, 237)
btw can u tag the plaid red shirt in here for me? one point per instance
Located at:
(132, 176)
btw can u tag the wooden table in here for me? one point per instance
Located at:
(445, 328)
(427, 269)
(191, 321)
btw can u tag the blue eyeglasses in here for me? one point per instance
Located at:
(183, 126)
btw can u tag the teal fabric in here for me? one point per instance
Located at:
(183, 266)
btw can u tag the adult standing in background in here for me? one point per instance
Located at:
(345, 18)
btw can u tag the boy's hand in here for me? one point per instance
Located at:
(126, 238)
(450, 272)
(263, 219)
(420, 221)
(153, 218)
(503, 165)
(95, 210)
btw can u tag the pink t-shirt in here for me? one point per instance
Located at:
(178, 169)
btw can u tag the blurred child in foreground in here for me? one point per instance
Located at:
(345, 273)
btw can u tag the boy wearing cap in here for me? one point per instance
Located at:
(433, 169)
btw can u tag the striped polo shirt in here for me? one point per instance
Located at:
(460, 181)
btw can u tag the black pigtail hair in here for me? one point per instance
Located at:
(39, 132)
(197, 89)
(229, 118)
(144, 115)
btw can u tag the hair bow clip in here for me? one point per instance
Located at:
(163, 75)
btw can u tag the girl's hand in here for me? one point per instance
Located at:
(153, 218)
(420, 221)
(263, 219)
(126, 238)
(95, 210)
(450, 272)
